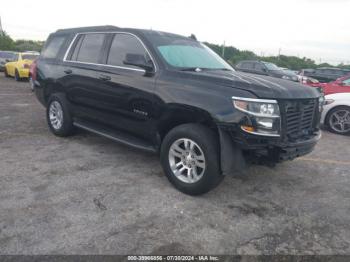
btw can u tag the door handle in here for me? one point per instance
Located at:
(104, 77)
(68, 71)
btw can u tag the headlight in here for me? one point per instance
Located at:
(263, 115)
(286, 77)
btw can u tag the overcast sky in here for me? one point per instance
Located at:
(319, 29)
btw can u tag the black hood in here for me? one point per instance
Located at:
(262, 86)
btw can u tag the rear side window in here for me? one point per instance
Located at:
(53, 47)
(249, 65)
(258, 67)
(123, 44)
(88, 48)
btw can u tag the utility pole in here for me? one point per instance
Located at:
(279, 54)
(1, 30)
(223, 51)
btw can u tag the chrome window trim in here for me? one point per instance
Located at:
(106, 65)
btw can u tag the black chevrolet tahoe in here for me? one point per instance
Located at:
(173, 96)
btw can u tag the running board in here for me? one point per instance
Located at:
(118, 136)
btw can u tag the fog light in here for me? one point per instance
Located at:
(248, 128)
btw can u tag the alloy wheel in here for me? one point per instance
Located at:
(187, 160)
(56, 115)
(340, 121)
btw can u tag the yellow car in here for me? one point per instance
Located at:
(19, 66)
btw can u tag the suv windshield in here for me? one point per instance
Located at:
(185, 54)
(271, 66)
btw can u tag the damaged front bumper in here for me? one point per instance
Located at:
(238, 148)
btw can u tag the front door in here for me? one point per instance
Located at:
(125, 92)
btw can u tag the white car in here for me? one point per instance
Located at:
(336, 113)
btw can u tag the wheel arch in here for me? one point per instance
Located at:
(177, 114)
(231, 156)
(51, 87)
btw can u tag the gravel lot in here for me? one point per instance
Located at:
(88, 195)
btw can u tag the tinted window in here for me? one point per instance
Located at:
(90, 48)
(53, 47)
(125, 44)
(29, 57)
(258, 67)
(249, 65)
(347, 82)
(76, 47)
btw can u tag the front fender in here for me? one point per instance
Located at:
(231, 157)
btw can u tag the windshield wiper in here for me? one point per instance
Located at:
(222, 69)
(199, 69)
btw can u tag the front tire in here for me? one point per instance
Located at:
(338, 120)
(190, 159)
(58, 116)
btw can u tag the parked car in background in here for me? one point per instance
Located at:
(19, 66)
(325, 74)
(336, 113)
(265, 68)
(341, 85)
(174, 96)
(5, 57)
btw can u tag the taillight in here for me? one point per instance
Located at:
(33, 70)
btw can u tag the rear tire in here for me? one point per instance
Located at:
(17, 77)
(338, 120)
(58, 116)
(31, 83)
(190, 159)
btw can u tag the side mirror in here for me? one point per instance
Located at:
(139, 61)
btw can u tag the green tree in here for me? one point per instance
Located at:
(28, 45)
(6, 42)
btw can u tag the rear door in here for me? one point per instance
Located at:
(81, 80)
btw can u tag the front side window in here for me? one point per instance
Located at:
(90, 49)
(271, 66)
(123, 44)
(53, 47)
(347, 82)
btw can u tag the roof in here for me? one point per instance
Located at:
(334, 68)
(88, 29)
(106, 28)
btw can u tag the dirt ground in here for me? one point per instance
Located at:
(88, 195)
